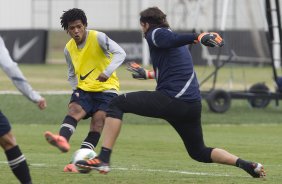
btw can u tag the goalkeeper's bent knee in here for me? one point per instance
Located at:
(201, 155)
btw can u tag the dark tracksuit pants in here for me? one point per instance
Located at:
(185, 117)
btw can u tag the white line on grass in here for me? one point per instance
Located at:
(169, 171)
(141, 170)
(153, 170)
(34, 164)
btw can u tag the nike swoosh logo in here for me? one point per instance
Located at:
(19, 52)
(84, 77)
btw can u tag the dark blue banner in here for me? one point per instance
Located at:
(26, 46)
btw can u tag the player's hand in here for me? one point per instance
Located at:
(137, 71)
(211, 39)
(102, 77)
(42, 104)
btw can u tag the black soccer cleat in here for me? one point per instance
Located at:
(95, 164)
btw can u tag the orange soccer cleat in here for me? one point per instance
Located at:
(70, 168)
(57, 141)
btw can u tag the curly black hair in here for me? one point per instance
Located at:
(73, 15)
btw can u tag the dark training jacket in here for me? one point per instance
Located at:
(173, 64)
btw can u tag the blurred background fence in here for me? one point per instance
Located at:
(242, 23)
(123, 14)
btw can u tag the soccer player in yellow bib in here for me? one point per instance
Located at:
(92, 58)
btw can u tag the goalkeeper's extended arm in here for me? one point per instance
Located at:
(211, 39)
(139, 72)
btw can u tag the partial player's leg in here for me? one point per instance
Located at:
(143, 103)
(186, 120)
(190, 130)
(221, 156)
(16, 159)
(96, 127)
(92, 138)
(77, 109)
(101, 163)
(67, 128)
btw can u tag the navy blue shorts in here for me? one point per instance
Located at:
(91, 102)
(4, 125)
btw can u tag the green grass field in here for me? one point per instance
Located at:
(148, 150)
(54, 77)
(153, 153)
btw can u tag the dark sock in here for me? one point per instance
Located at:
(68, 127)
(247, 166)
(18, 165)
(241, 163)
(105, 154)
(91, 140)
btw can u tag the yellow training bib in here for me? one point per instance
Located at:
(89, 62)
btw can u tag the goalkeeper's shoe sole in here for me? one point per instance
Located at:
(95, 164)
(58, 141)
(256, 170)
(70, 168)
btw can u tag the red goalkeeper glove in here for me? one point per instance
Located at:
(138, 72)
(211, 39)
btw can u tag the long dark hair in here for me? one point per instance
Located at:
(154, 17)
(73, 15)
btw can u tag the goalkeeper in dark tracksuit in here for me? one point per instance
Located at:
(176, 99)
